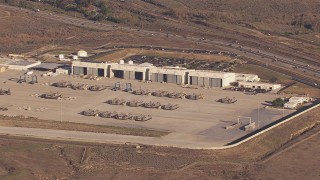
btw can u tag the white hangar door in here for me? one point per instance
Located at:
(194, 80)
(215, 82)
(76, 70)
(154, 77)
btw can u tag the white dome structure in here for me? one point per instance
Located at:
(82, 53)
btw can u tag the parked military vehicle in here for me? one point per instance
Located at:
(90, 112)
(107, 114)
(227, 100)
(116, 101)
(170, 106)
(141, 117)
(55, 95)
(97, 88)
(62, 84)
(5, 92)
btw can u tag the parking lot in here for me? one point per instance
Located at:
(196, 120)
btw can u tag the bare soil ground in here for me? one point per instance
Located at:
(36, 123)
(264, 73)
(300, 88)
(25, 32)
(24, 158)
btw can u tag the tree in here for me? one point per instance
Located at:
(279, 102)
(84, 3)
(273, 79)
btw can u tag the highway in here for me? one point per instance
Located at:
(309, 73)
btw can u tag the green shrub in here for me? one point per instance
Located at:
(279, 102)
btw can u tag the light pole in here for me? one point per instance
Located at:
(258, 115)
(61, 110)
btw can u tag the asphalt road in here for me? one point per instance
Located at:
(309, 73)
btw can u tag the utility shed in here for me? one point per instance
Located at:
(90, 68)
(211, 78)
(175, 75)
(259, 85)
(131, 71)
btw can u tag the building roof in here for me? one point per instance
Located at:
(173, 67)
(48, 66)
(4, 61)
(146, 64)
(256, 83)
(296, 99)
(246, 75)
(211, 74)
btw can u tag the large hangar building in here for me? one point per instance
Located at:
(211, 78)
(176, 75)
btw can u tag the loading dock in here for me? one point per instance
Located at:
(138, 75)
(131, 71)
(118, 74)
(174, 75)
(101, 72)
(194, 80)
(215, 82)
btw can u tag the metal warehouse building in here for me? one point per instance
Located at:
(131, 71)
(210, 78)
(175, 75)
(90, 68)
(259, 85)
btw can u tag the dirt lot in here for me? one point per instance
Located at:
(36, 123)
(300, 88)
(122, 54)
(23, 158)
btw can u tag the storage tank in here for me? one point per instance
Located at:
(82, 53)
(130, 62)
(3, 69)
(61, 56)
(121, 61)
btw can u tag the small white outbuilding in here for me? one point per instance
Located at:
(82, 53)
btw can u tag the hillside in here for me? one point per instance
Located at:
(292, 16)
(283, 16)
(287, 27)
